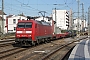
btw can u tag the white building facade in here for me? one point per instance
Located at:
(61, 18)
(77, 24)
(2, 25)
(12, 22)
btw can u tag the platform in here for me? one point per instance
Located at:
(81, 51)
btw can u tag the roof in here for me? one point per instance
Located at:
(12, 16)
(9, 16)
(2, 13)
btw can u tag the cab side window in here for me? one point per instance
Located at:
(35, 25)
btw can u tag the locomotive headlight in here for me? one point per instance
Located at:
(28, 31)
(19, 31)
(29, 35)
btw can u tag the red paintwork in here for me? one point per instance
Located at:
(37, 30)
(60, 35)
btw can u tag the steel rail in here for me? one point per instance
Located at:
(63, 46)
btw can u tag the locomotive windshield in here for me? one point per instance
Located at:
(24, 25)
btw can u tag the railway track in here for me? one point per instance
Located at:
(56, 53)
(51, 55)
(7, 44)
(46, 51)
(29, 51)
(10, 52)
(4, 43)
(8, 40)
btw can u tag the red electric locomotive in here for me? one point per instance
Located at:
(31, 31)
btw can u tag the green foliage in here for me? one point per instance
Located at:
(63, 31)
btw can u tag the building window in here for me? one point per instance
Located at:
(14, 28)
(10, 31)
(14, 21)
(22, 19)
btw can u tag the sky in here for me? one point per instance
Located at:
(32, 7)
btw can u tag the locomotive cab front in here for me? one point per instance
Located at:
(24, 31)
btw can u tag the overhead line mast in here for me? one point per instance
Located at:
(82, 16)
(2, 28)
(89, 22)
(78, 26)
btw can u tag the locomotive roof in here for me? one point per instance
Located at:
(43, 23)
(25, 20)
(39, 22)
